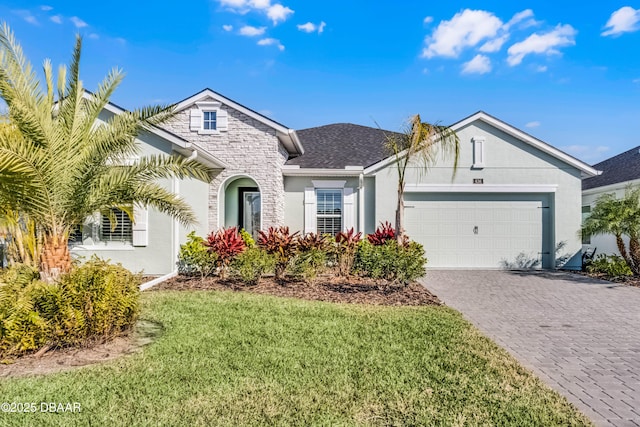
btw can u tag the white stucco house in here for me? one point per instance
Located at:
(513, 194)
(618, 172)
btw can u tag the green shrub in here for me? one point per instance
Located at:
(309, 263)
(400, 264)
(611, 265)
(248, 239)
(195, 258)
(252, 264)
(95, 301)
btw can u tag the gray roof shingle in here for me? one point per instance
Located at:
(620, 168)
(342, 144)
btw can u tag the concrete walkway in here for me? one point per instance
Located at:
(580, 336)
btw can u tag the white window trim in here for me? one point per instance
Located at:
(317, 215)
(348, 204)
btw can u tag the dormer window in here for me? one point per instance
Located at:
(208, 117)
(209, 121)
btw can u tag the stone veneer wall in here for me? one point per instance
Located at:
(249, 148)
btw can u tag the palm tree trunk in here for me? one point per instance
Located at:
(623, 251)
(634, 253)
(55, 258)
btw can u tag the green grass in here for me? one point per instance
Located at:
(241, 359)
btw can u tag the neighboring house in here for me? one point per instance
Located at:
(617, 173)
(513, 195)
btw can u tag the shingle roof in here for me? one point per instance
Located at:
(620, 168)
(342, 144)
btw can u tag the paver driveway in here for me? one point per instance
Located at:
(580, 336)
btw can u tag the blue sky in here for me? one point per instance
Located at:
(567, 72)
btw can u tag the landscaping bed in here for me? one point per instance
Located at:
(325, 288)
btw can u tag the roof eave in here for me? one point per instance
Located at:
(587, 170)
(286, 136)
(180, 145)
(348, 171)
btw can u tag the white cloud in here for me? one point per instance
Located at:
(278, 13)
(466, 29)
(533, 124)
(233, 3)
(46, 8)
(545, 43)
(271, 42)
(480, 64)
(260, 4)
(93, 36)
(27, 16)
(636, 81)
(57, 19)
(428, 19)
(495, 44)
(79, 23)
(623, 20)
(310, 27)
(250, 31)
(227, 27)
(519, 17)
(542, 68)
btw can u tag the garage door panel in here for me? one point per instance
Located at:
(447, 230)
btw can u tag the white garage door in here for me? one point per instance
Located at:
(470, 232)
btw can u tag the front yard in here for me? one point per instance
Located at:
(240, 359)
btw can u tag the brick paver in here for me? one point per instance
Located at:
(580, 336)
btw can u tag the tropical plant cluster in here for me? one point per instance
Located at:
(620, 217)
(609, 265)
(95, 301)
(232, 253)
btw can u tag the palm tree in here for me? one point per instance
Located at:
(620, 217)
(420, 143)
(60, 164)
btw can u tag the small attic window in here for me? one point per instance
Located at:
(209, 118)
(478, 151)
(209, 121)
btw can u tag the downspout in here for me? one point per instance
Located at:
(361, 203)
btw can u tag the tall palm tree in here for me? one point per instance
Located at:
(61, 164)
(620, 217)
(420, 143)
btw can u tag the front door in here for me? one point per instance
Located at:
(250, 210)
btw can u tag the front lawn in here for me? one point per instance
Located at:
(241, 359)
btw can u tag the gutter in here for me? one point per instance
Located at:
(296, 170)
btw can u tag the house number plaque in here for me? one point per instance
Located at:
(478, 180)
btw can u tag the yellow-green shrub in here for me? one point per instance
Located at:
(95, 301)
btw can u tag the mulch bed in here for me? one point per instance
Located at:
(353, 290)
(627, 280)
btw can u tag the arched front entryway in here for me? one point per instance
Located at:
(241, 204)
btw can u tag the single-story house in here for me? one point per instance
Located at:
(618, 172)
(513, 195)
